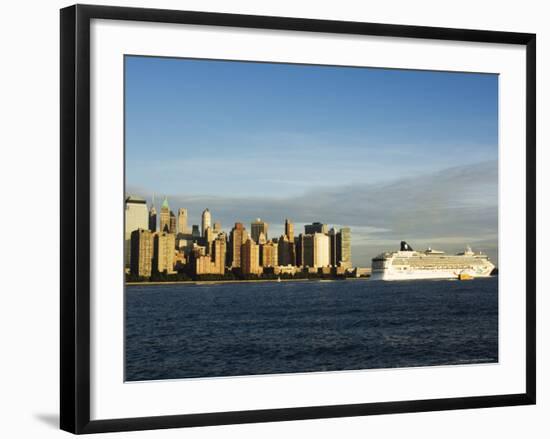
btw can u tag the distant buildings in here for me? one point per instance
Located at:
(175, 247)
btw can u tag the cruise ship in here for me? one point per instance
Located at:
(408, 264)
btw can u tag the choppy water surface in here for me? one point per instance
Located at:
(182, 331)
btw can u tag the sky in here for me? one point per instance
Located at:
(393, 154)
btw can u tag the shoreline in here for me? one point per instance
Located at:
(234, 281)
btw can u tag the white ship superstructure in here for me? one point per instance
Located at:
(408, 264)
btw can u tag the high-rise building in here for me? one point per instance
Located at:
(321, 250)
(333, 237)
(173, 223)
(258, 227)
(250, 258)
(289, 229)
(206, 221)
(298, 247)
(343, 248)
(153, 218)
(136, 216)
(219, 249)
(312, 228)
(165, 217)
(269, 256)
(195, 233)
(218, 227)
(286, 253)
(141, 257)
(237, 238)
(307, 251)
(182, 221)
(164, 252)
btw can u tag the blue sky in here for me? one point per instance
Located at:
(255, 135)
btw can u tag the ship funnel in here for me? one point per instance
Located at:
(406, 247)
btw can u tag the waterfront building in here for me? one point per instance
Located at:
(343, 247)
(136, 216)
(201, 264)
(164, 252)
(269, 254)
(321, 256)
(250, 258)
(142, 252)
(237, 238)
(173, 223)
(182, 221)
(312, 228)
(289, 229)
(206, 221)
(258, 227)
(165, 217)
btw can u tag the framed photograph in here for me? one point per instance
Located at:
(273, 218)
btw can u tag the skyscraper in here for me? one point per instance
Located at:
(173, 223)
(182, 221)
(321, 255)
(307, 251)
(343, 247)
(333, 237)
(136, 216)
(289, 229)
(285, 251)
(153, 218)
(312, 228)
(237, 238)
(250, 258)
(219, 249)
(164, 252)
(195, 233)
(269, 254)
(206, 221)
(258, 227)
(141, 253)
(165, 216)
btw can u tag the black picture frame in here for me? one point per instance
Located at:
(75, 217)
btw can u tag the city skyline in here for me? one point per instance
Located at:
(350, 146)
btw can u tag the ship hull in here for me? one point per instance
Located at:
(391, 275)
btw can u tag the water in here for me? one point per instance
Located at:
(182, 331)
